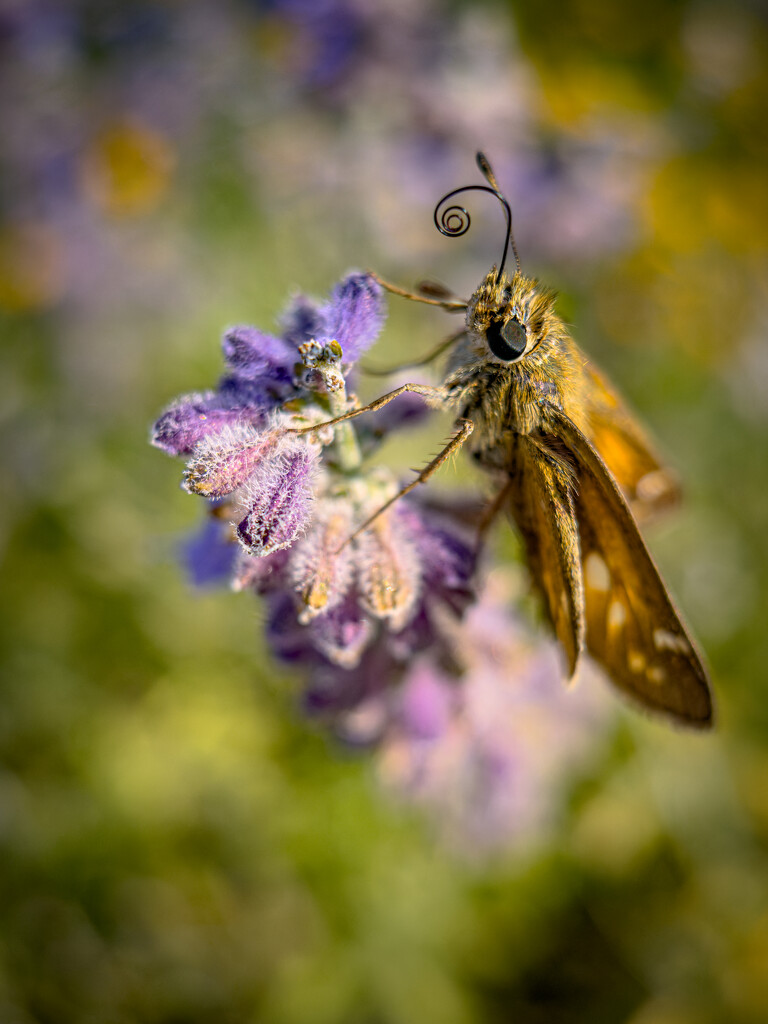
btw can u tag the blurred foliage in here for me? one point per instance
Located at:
(177, 844)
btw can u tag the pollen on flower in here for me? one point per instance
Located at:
(390, 571)
(322, 565)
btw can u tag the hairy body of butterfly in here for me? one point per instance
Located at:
(573, 470)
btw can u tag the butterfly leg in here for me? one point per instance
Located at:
(465, 428)
(428, 392)
(373, 371)
(454, 305)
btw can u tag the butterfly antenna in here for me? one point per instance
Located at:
(487, 171)
(454, 221)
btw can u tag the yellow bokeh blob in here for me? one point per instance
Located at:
(127, 169)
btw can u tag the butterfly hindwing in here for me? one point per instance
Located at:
(542, 504)
(648, 485)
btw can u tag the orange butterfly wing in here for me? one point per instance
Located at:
(648, 485)
(632, 627)
(541, 500)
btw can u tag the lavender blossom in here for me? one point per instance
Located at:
(194, 417)
(370, 592)
(382, 619)
(235, 436)
(294, 501)
(354, 316)
(278, 501)
(225, 460)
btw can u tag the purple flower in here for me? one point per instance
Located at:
(226, 460)
(261, 367)
(210, 553)
(383, 618)
(354, 316)
(253, 355)
(277, 502)
(191, 418)
(342, 633)
(235, 436)
(351, 594)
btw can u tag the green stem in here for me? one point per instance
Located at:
(348, 454)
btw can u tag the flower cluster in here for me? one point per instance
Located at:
(397, 646)
(354, 607)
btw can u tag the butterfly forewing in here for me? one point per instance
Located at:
(632, 627)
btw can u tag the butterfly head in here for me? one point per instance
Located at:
(509, 318)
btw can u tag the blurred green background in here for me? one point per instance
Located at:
(177, 843)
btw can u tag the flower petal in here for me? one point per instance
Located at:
(389, 571)
(253, 354)
(301, 321)
(193, 417)
(322, 564)
(355, 314)
(343, 633)
(279, 500)
(224, 461)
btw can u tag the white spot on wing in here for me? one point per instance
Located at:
(652, 485)
(656, 674)
(598, 576)
(666, 641)
(617, 615)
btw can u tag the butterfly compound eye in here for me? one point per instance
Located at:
(507, 340)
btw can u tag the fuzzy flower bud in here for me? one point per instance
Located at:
(355, 314)
(278, 501)
(224, 461)
(194, 417)
(322, 565)
(389, 571)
